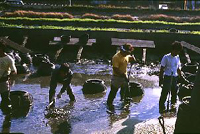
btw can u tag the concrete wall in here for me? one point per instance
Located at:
(39, 39)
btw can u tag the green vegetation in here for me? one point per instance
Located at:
(126, 17)
(89, 29)
(96, 21)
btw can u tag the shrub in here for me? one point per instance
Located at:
(21, 13)
(94, 16)
(124, 17)
(194, 19)
(162, 17)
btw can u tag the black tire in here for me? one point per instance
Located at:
(21, 99)
(93, 86)
(136, 89)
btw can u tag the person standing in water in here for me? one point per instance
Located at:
(63, 75)
(169, 72)
(7, 69)
(119, 78)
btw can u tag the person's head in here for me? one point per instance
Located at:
(126, 49)
(176, 48)
(84, 38)
(65, 38)
(64, 69)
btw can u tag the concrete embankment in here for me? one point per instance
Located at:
(38, 39)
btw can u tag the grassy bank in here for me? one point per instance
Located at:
(71, 28)
(97, 21)
(56, 23)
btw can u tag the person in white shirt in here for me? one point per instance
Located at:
(7, 68)
(169, 72)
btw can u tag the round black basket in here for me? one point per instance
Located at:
(136, 89)
(21, 99)
(93, 86)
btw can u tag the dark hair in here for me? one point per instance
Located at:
(84, 38)
(127, 47)
(64, 67)
(65, 38)
(176, 46)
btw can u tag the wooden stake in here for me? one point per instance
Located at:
(78, 57)
(144, 55)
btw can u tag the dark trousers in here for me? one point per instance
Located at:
(66, 88)
(113, 92)
(169, 85)
(5, 96)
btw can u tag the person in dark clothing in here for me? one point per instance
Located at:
(7, 69)
(170, 71)
(63, 75)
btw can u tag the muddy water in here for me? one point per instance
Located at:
(88, 114)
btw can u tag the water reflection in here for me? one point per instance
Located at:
(86, 115)
(14, 114)
(94, 96)
(44, 82)
(59, 119)
(121, 112)
(137, 99)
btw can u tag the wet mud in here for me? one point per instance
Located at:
(88, 114)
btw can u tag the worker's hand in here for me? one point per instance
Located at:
(59, 95)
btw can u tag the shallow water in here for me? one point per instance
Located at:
(88, 114)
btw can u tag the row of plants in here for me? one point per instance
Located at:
(71, 28)
(107, 23)
(128, 17)
(97, 21)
